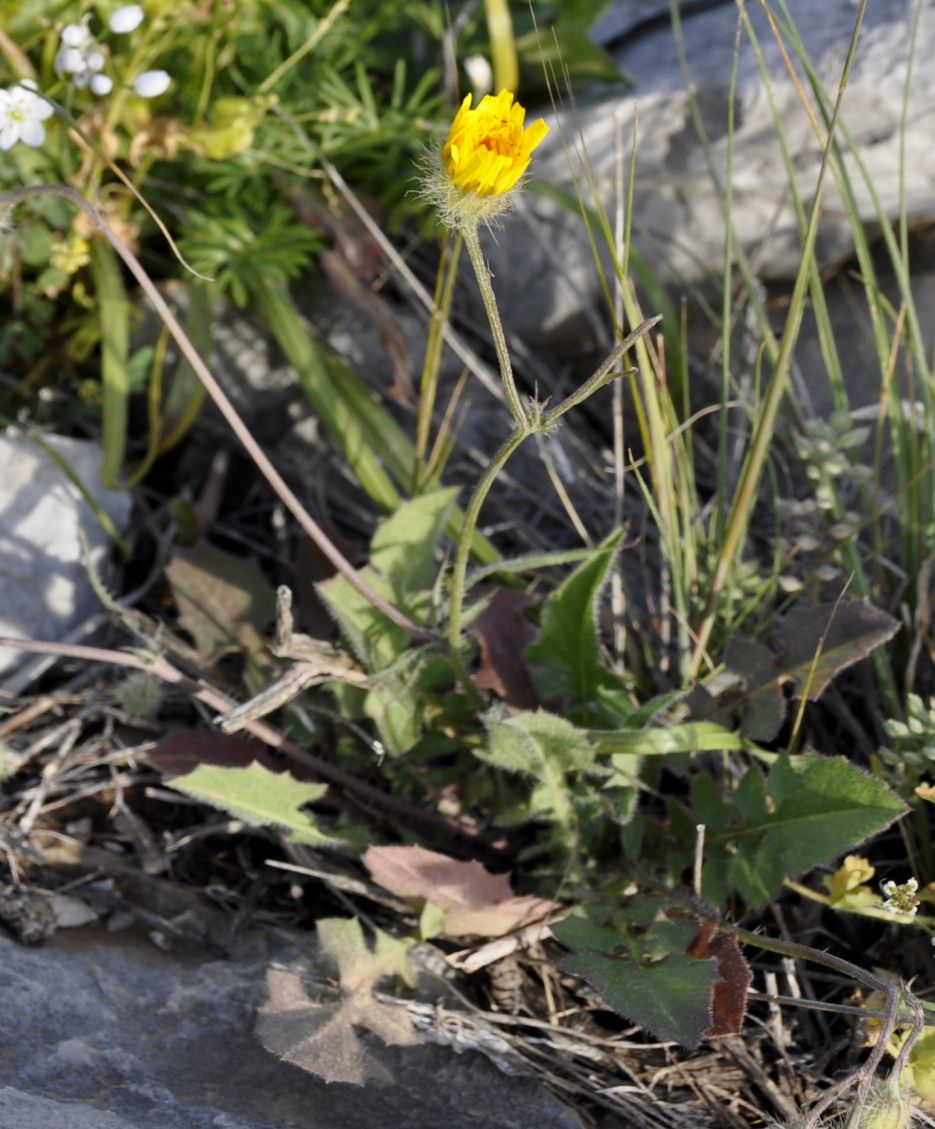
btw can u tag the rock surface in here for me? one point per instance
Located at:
(46, 592)
(541, 260)
(107, 1032)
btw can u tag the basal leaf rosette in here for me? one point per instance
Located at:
(483, 160)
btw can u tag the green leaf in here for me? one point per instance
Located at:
(528, 562)
(567, 651)
(114, 309)
(259, 797)
(403, 547)
(544, 746)
(533, 742)
(670, 997)
(808, 811)
(376, 640)
(663, 741)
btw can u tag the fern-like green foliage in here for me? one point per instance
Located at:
(233, 253)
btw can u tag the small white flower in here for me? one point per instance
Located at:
(22, 113)
(79, 55)
(100, 85)
(150, 84)
(126, 19)
(900, 897)
(77, 35)
(69, 60)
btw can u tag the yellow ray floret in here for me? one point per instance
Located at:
(488, 150)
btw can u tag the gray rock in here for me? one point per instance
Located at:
(545, 276)
(46, 592)
(106, 1032)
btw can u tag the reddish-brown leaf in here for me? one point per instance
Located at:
(475, 902)
(729, 996)
(181, 751)
(503, 633)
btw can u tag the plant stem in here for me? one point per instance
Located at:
(526, 425)
(604, 374)
(472, 243)
(519, 434)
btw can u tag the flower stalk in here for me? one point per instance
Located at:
(472, 245)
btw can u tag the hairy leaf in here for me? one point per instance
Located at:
(259, 797)
(403, 547)
(729, 998)
(566, 654)
(808, 811)
(670, 997)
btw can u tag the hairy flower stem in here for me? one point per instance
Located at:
(472, 243)
(900, 1006)
(532, 423)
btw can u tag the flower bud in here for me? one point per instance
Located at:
(126, 19)
(150, 84)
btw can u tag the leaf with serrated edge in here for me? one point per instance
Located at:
(259, 797)
(670, 998)
(567, 647)
(375, 640)
(812, 810)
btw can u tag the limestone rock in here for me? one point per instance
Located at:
(107, 1032)
(541, 260)
(46, 591)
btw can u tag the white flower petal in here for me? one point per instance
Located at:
(94, 61)
(33, 133)
(126, 19)
(150, 84)
(76, 35)
(9, 135)
(100, 85)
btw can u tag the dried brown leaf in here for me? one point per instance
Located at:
(181, 751)
(729, 995)
(320, 1037)
(225, 602)
(475, 902)
(503, 633)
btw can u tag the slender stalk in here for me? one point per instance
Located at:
(745, 495)
(472, 243)
(604, 374)
(519, 434)
(535, 423)
(9, 200)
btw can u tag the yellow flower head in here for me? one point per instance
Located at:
(483, 159)
(488, 149)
